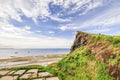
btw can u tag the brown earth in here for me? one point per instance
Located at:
(103, 51)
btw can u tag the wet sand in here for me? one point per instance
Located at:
(30, 60)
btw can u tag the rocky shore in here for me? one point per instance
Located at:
(30, 60)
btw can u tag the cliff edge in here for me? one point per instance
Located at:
(104, 48)
(81, 39)
(92, 57)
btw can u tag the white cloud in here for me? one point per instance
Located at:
(63, 28)
(7, 10)
(39, 31)
(92, 5)
(68, 27)
(27, 27)
(87, 5)
(108, 18)
(30, 8)
(14, 37)
(99, 30)
(103, 21)
(51, 32)
(59, 19)
(40, 8)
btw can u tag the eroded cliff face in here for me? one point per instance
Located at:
(101, 48)
(81, 39)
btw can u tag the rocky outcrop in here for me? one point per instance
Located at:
(80, 40)
(101, 49)
(114, 71)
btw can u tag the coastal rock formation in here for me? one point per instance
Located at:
(105, 49)
(92, 57)
(81, 40)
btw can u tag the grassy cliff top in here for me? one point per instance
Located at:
(92, 57)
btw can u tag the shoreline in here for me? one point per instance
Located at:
(42, 60)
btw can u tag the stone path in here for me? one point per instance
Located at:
(32, 74)
(45, 74)
(9, 78)
(11, 72)
(19, 72)
(52, 78)
(3, 72)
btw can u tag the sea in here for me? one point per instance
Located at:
(9, 53)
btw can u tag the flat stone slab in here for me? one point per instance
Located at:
(52, 78)
(20, 72)
(39, 79)
(25, 76)
(44, 74)
(30, 75)
(3, 72)
(11, 72)
(8, 78)
(32, 71)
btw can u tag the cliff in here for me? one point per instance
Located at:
(103, 47)
(92, 57)
(82, 39)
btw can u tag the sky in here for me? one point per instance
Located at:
(53, 23)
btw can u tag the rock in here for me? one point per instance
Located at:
(19, 72)
(52, 78)
(39, 79)
(32, 73)
(11, 72)
(81, 40)
(114, 71)
(8, 78)
(27, 76)
(71, 73)
(102, 51)
(45, 74)
(4, 72)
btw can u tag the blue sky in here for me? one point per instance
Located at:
(53, 23)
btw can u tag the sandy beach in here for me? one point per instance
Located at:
(30, 60)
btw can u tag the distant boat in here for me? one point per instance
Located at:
(16, 52)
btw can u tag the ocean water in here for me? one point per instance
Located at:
(8, 53)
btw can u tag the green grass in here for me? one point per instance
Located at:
(115, 60)
(114, 40)
(28, 67)
(39, 67)
(102, 72)
(81, 65)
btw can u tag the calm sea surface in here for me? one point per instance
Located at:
(8, 53)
